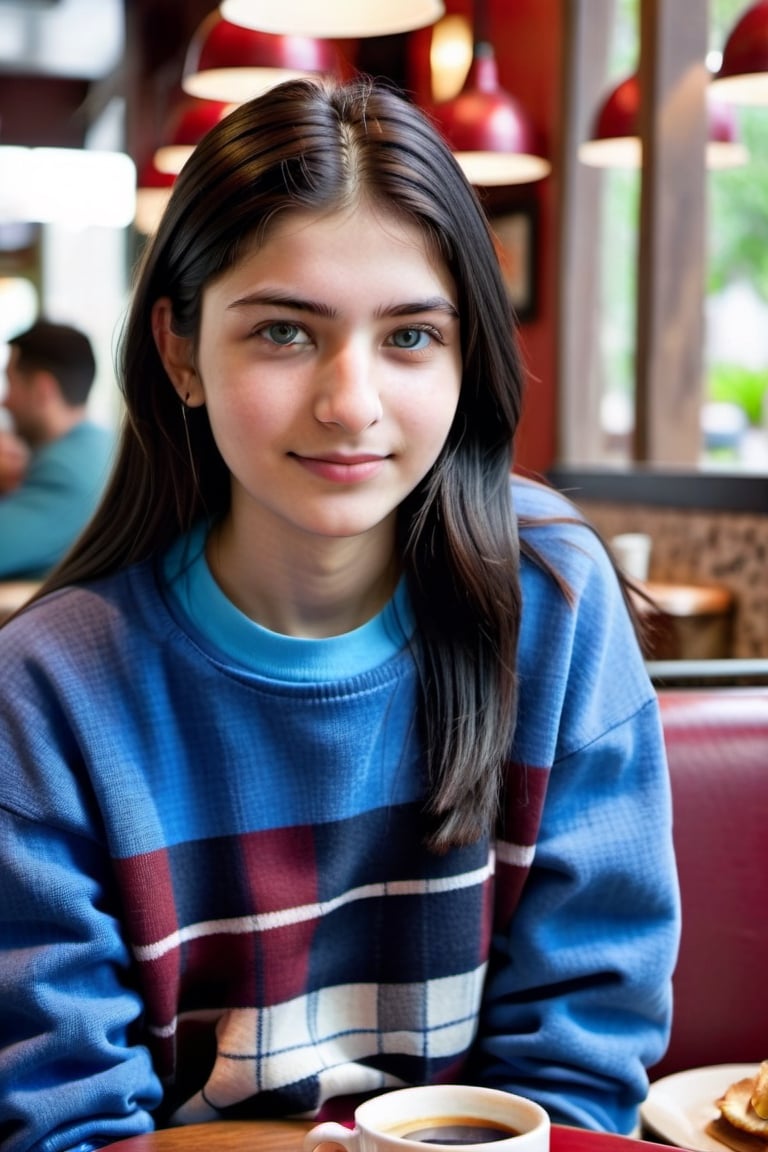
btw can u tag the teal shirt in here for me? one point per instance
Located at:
(41, 519)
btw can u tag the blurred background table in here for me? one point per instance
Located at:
(15, 593)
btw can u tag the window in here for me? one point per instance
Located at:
(704, 380)
(735, 415)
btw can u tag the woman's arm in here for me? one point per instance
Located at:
(578, 997)
(69, 1073)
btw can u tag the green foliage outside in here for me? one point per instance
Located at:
(737, 232)
(735, 384)
(738, 252)
(738, 209)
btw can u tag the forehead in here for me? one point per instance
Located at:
(368, 220)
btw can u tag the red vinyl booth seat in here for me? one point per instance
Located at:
(717, 745)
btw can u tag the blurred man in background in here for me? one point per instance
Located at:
(53, 469)
(14, 458)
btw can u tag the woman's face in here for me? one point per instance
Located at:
(330, 362)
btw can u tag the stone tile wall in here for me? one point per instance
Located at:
(703, 547)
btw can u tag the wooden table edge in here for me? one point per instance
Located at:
(287, 1136)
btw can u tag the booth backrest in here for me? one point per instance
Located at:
(717, 745)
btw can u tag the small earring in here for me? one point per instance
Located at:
(184, 404)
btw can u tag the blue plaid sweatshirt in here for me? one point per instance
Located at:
(215, 898)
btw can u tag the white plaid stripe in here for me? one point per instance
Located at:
(329, 1034)
(266, 921)
(519, 855)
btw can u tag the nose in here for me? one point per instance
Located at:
(348, 391)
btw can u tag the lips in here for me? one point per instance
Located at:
(342, 469)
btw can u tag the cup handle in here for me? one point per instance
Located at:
(330, 1132)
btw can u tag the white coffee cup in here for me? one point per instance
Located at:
(632, 553)
(440, 1117)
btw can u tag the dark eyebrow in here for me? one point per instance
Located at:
(283, 300)
(286, 300)
(413, 307)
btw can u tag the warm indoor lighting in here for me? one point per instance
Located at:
(70, 186)
(153, 191)
(226, 61)
(340, 19)
(189, 122)
(615, 140)
(488, 130)
(743, 74)
(450, 56)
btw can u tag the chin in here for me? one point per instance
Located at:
(349, 527)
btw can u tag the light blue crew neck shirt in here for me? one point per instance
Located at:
(236, 637)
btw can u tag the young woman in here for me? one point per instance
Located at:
(330, 760)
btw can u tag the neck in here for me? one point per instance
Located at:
(58, 423)
(327, 590)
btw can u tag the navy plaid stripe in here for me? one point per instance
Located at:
(287, 942)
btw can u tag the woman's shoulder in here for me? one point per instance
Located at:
(86, 615)
(555, 531)
(536, 500)
(578, 643)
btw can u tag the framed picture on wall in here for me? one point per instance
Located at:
(516, 234)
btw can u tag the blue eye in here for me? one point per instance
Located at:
(411, 339)
(283, 332)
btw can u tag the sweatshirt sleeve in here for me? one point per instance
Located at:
(578, 997)
(69, 1071)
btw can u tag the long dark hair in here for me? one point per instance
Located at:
(309, 145)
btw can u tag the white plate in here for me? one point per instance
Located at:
(679, 1107)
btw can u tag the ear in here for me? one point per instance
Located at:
(45, 386)
(177, 355)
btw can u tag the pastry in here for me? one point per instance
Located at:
(743, 1120)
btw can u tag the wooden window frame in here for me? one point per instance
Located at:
(672, 235)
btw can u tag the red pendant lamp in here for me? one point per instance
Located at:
(227, 61)
(615, 141)
(153, 190)
(488, 129)
(188, 122)
(743, 75)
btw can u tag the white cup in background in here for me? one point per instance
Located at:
(632, 553)
(440, 1117)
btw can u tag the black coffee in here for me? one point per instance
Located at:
(460, 1131)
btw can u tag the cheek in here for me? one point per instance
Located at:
(233, 427)
(241, 412)
(433, 418)
(427, 435)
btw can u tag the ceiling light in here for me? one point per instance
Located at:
(488, 129)
(227, 61)
(450, 56)
(616, 143)
(188, 123)
(743, 74)
(335, 19)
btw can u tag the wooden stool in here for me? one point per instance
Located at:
(687, 621)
